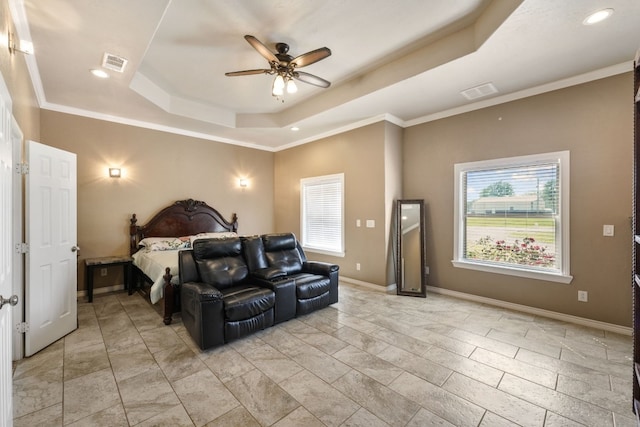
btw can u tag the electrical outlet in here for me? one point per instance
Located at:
(583, 296)
(358, 266)
(103, 272)
(607, 230)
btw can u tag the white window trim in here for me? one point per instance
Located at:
(459, 261)
(316, 179)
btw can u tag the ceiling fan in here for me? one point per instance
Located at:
(284, 66)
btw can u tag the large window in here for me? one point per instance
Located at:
(322, 213)
(512, 216)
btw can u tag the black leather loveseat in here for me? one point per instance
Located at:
(233, 287)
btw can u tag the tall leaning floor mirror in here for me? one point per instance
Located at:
(410, 248)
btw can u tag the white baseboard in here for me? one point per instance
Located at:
(369, 285)
(102, 290)
(623, 330)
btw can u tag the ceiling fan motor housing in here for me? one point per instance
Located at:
(282, 49)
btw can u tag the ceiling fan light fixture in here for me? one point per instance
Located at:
(278, 86)
(291, 86)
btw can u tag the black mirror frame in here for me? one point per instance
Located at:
(423, 257)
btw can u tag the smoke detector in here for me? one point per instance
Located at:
(114, 62)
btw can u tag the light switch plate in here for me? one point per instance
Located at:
(607, 230)
(357, 223)
(371, 223)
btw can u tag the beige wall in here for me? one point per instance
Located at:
(159, 168)
(16, 76)
(594, 122)
(360, 155)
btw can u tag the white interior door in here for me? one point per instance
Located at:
(51, 229)
(6, 255)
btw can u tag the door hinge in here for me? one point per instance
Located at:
(22, 168)
(22, 248)
(22, 327)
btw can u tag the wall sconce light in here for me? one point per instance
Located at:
(115, 172)
(243, 182)
(24, 46)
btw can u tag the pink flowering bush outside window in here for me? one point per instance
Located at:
(525, 252)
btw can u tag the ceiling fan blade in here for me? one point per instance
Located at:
(310, 57)
(311, 79)
(261, 48)
(246, 72)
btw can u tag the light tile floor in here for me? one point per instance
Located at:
(370, 360)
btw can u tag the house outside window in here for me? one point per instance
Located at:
(322, 214)
(512, 216)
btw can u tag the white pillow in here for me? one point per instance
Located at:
(165, 243)
(219, 235)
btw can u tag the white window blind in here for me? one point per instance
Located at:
(512, 216)
(322, 200)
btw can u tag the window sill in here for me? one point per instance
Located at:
(323, 252)
(538, 275)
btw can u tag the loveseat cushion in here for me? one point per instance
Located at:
(310, 285)
(253, 250)
(282, 253)
(220, 262)
(246, 301)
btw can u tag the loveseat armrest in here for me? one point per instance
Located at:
(200, 291)
(285, 290)
(188, 271)
(321, 268)
(269, 274)
(202, 309)
(325, 269)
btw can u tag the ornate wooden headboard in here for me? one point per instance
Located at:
(182, 218)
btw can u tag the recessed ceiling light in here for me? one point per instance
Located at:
(295, 129)
(598, 16)
(99, 73)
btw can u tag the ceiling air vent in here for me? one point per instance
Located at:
(114, 62)
(479, 91)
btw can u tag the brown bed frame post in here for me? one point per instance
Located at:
(169, 298)
(133, 232)
(234, 222)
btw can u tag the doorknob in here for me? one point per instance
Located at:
(11, 301)
(75, 248)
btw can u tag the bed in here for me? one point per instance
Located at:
(155, 246)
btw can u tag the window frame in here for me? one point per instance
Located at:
(562, 275)
(333, 178)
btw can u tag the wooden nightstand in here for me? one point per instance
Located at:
(109, 261)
